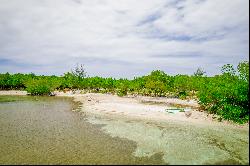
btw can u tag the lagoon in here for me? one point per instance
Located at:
(45, 130)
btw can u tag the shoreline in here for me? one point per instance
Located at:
(13, 92)
(139, 108)
(131, 108)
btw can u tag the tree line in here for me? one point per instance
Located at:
(225, 94)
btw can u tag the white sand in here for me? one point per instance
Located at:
(133, 108)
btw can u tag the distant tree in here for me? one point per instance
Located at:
(199, 72)
(79, 71)
(228, 69)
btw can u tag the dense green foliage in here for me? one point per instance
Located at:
(226, 94)
(41, 85)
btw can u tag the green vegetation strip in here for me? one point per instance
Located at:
(226, 94)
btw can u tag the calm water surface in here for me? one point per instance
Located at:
(44, 130)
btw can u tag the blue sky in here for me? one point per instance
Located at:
(122, 38)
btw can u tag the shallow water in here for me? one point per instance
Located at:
(44, 130)
(182, 144)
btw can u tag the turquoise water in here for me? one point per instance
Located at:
(182, 144)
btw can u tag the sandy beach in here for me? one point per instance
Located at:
(145, 108)
(139, 108)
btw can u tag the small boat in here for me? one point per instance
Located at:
(174, 110)
(187, 111)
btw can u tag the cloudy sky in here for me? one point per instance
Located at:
(122, 38)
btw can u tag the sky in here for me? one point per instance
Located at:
(122, 38)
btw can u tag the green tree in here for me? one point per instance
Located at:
(199, 72)
(79, 71)
(243, 70)
(228, 69)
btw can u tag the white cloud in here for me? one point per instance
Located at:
(122, 37)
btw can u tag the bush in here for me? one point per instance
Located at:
(182, 94)
(122, 92)
(122, 89)
(226, 95)
(41, 86)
